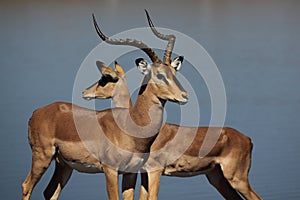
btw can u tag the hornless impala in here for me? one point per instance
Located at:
(69, 133)
(226, 166)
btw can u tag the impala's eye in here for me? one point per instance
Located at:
(163, 78)
(160, 76)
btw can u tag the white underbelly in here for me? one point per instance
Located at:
(182, 174)
(82, 167)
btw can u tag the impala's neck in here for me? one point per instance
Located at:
(121, 98)
(148, 109)
(142, 122)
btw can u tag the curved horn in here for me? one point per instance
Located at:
(130, 42)
(170, 38)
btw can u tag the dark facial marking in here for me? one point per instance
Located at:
(106, 79)
(163, 78)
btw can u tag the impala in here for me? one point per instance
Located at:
(69, 134)
(226, 166)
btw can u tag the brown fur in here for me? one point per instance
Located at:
(53, 133)
(231, 144)
(228, 162)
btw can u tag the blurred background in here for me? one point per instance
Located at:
(255, 44)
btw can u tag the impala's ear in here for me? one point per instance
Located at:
(143, 66)
(176, 62)
(106, 70)
(119, 70)
(101, 66)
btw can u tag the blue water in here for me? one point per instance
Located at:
(255, 45)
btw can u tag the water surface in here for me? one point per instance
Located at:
(255, 45)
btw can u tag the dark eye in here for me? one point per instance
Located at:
(160, 76)
(163, 78)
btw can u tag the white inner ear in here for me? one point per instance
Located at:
(176, 63)
(144, 67)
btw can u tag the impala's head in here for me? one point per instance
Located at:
(161, 81)
(111, 83)
(160, 74)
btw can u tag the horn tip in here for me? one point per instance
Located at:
(147, 14)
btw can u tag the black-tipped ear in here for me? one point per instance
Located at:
(176, 62)
(143, 66)
(137, 61)
(119, 69)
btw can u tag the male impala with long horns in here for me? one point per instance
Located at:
(101, 141)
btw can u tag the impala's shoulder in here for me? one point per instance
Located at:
(232, 132)
(63, 107)
(229, 130)
(53, 106)
(58, 105)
